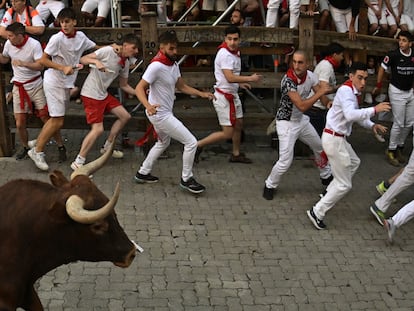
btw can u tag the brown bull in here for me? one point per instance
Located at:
(43, 226)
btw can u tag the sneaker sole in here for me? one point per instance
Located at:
(144, 181)
(314, 221)
(379, 219)
(191, 190)
(379, 190)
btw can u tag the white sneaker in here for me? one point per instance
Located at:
(74, 166)
(32, 143)
(38, 159)
(390, 227)
(116, 154)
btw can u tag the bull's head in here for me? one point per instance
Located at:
(88, 206)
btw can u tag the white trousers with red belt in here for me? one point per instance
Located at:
(344, 163)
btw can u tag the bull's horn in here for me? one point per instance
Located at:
(93, 166)
(76, 211)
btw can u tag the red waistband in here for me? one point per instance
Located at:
(329, 131)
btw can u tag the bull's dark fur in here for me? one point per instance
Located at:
(37, 235)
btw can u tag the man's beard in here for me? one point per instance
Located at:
(172, 58)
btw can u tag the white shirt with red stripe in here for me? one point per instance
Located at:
(29, 52)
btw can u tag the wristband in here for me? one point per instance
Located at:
(378, 85)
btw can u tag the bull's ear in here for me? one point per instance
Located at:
(58, 179)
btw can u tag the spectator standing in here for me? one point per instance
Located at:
(24, 53)
(161, 78)
(400, 91)
(344, 14)
(49, 10)
(292, 124)
(376, 16)
(24, 14)
(343, 159)
(272, 14)
(99, 19)
(407, 19)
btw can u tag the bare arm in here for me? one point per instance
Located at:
(3, 59)
(141, 92)
(36, 65)
(185, 88)
(232, 78)
(48, 63)
(123, 84)
(35, 30)
(305, 104)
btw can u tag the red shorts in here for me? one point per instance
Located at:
(95, 109)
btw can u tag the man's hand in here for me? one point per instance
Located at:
(152, 109)
(384, 106)
(255, 77)
(379, 129)
(208, 95)
(68, 70)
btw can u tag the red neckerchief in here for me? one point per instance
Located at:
(349, 83)
(70, 35)
(230, 99)
(163, 59)
(225, 46)
(291, 74)
(333, 62)
(122, 61)
(19, 46)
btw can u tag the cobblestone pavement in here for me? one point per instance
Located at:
(229, 249)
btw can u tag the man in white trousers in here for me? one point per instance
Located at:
(342, 158)
(292, 124)
(161, 78)
(402, 182)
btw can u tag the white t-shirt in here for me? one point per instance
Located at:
(304, 90)
(66, 51)
(162, 80)
(325, 72)
(29, 52)
(226, 60)
(97, 82)
(21, 18)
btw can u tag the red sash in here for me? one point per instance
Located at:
(291, 74)
(225, 46)
(349, 83)
(230, 99)
(162, 58)
(332, 61)
(23, 94)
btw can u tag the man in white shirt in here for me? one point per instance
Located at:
(343, 159)
(28, 96)
(107, 66)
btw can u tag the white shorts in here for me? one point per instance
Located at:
(407, 20)
(57, 99)
(214, 5)
(37, 97)
(222, 107)
(102, 5)
(46, 7)
(342, 19)
(373, 19)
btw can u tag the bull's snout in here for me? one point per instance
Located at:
(128, 259)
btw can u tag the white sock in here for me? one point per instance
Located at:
(80, 160)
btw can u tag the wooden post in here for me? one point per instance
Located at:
(306, 36)
(149, 36)
(6, 146)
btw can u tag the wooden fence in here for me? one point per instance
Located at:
(306, 38)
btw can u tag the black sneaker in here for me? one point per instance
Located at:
(62, 154)
(268, 193)
(141, 178)
(197, 154)
(22, 154)
(326, 181)
(192, 185)
(318, 223)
